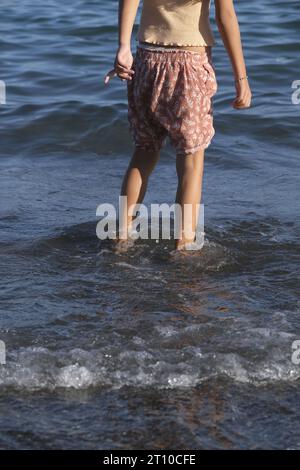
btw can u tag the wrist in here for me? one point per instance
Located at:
(241, 78)
(124, 45)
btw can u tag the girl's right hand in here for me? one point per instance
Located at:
(243, 95)
(122, 65)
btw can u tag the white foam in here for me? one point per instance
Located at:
(42, 369)
(74, 376)
(166, 331)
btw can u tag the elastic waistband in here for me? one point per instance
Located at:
(159, 53)
(166, 49)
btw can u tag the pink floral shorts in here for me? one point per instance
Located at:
(171, 95)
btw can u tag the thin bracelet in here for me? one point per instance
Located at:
(242, 78)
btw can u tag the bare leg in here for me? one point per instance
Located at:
(136, 178)
(190, 174)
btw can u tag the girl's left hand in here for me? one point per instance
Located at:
(122, 65)
(243, 95)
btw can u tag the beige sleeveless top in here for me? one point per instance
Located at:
(176, 22)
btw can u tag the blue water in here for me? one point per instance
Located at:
(145, 349)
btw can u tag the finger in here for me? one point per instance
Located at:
(122, 68)
(243, 105)
(124, 76)
(237, 103)
(240, 97)
(125, 73)
(241, 101)
(246, 102)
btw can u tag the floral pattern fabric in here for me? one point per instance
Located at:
(170, 94)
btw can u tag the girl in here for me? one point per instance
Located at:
(170, 84)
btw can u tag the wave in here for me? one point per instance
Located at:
(37, 368)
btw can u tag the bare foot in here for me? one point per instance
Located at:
(181, 245)
(122, 246)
